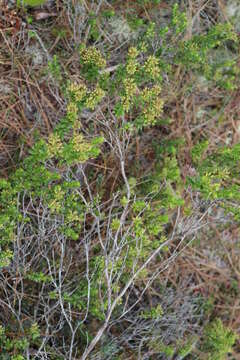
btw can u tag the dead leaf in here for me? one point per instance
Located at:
(43, 15)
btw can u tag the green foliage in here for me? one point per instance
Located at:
(153, 313)
(134, 22)
(169, 147)
(30, 3)
(216, 178)
(34, 331)
(198, 150)
(179, 20)
(195, 52)
(12, 348)
(35, 179)
(160, 347)
(166, 172)
(79, 298)
(185, 347)
(198, 52)
(149, 2)
(108, 13)
(218, 340)
(38, 277)
(115, 224)
(94, 32)
(55, 68)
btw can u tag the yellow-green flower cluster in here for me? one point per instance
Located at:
(5, 258)
(129, 84)
(54, 146)
(133, 52)
(56, 204)
(72, 110)
(153, 104)
(132, 64)
(151, 67)
(130, 89)
(80, 93)
(149, 94)
(77, 91)
(81, 146)
(72, 216)
(150, 33)
(94, 97)
(92, 56)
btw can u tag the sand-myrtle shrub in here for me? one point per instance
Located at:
(92, 215)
